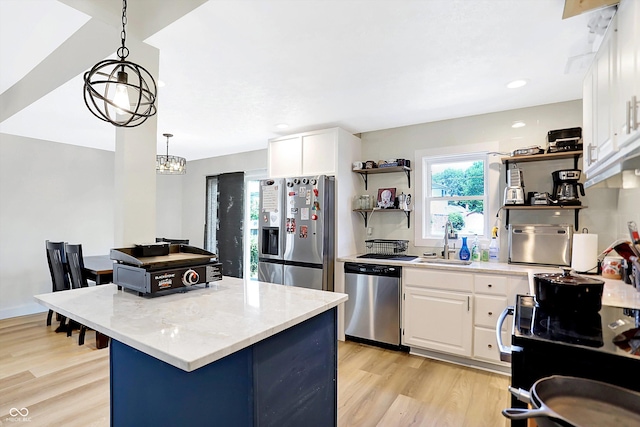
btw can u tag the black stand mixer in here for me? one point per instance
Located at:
(566, 187)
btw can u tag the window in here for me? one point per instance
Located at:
(211, 226)
(455, 189)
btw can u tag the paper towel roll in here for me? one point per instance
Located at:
(584, 255)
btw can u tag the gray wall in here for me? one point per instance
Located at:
(404, 142)
(63, 192)
(48, 191)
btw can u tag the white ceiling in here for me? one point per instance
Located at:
(235, 69)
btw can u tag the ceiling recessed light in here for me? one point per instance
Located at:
(518, 124)
(516, 84)
(282, 125)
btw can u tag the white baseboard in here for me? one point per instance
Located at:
(22, 310)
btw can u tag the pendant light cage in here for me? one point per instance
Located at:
(170, 165)
(119, 91)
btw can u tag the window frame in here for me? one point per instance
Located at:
(427, 163)
(492, 199)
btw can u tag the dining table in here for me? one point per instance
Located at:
(99, 268)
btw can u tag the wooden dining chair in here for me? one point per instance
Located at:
(57, 261)
(75, 262)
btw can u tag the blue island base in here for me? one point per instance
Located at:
(289, 379)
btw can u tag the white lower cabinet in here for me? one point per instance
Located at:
(485, 345)
(438, 312)
(456, 312)
(438, 320)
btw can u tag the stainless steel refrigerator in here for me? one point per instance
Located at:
(305, 234)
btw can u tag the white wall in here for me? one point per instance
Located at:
(48, 191)
(61, 192)
(405, 141)
(169, 205)
(194, 187)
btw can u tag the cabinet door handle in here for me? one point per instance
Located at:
(490, 346)
(490, 313)
(590, 151)
(468, 303)
(634, 114)
(627, 120)
(490, 285)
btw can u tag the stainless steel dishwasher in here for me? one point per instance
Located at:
(372, 312)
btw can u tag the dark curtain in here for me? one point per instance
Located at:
(230, 223)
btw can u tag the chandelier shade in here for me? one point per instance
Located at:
(119, 91)
(170, 165)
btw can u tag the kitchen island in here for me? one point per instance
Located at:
(238, 353)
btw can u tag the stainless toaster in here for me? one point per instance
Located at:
(540, 244)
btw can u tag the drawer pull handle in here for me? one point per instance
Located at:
(490, 313)
(489, 345)
(490, 285)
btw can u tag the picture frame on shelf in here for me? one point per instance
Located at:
(386, 198)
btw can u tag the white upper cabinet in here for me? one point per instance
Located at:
(285, 157)
(598, 102)
(627, 114)
(309, 153)
(611, 95)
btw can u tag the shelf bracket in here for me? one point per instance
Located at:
(365, 178)
(408, 173)
(408, 214)
(365, 216)
(576, 214)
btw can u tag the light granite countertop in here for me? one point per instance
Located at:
(616, 293)
(192, 329)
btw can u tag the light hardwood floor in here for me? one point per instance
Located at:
(63, 384)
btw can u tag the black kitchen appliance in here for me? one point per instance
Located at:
(566, 186)
(562, 140)
(568, 292)
(592, 345)
(150, 269)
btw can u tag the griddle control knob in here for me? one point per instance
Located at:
(190, 277)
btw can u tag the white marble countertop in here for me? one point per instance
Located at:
(192, 329)
(616, 292)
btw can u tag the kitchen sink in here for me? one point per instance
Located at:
(442, 261)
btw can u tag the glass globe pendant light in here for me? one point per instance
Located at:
(119, 91)
(170, 165)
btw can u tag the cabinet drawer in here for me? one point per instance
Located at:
(438, 279)
(487, 284)
(485, 345)
(488, 309)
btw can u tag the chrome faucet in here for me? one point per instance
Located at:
(448, 226)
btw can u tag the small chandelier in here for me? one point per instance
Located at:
(118, 91)
(170, 165)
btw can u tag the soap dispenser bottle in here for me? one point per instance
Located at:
(464, 254)
(494, 249)
(475, 249)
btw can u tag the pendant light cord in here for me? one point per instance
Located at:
(123, 51)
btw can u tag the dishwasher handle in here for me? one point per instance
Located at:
(505, 350)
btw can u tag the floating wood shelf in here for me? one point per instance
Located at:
(364, 173)
(365, 214)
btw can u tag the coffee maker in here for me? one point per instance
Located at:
(514, 193)
(566, 186)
